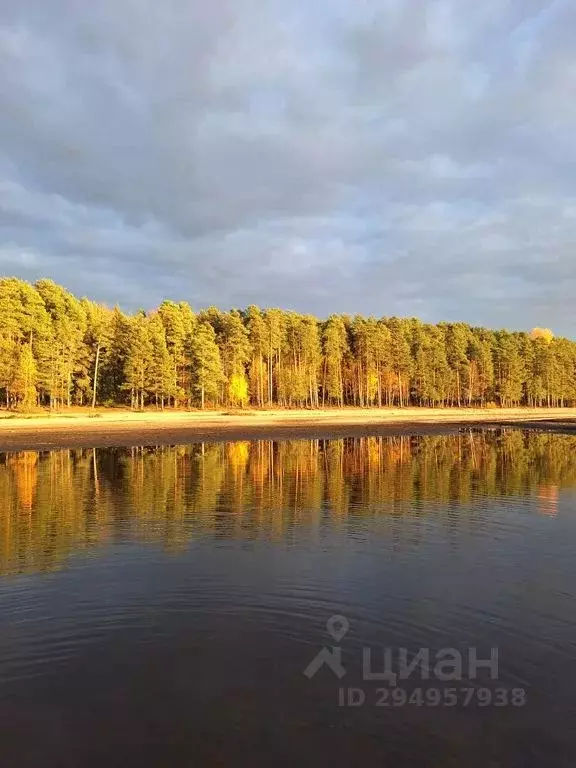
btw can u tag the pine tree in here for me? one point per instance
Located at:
(206, 363)
(382, 352)
(335, 343)
(96, 345)
(138, 361)
(276, 342)
(162, 371)
(311, 358)
(258, 372)
(481, 369)
(178, 321)
(24, 320)
(430, 372)
(401, 360)
(236, 351)
(511, 371)
(25, 379)
(457, 343)
(68, 323)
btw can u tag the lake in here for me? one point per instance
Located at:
(402, 601)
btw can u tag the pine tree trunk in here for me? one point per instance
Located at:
(95, 382)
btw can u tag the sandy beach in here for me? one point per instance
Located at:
(116, 427)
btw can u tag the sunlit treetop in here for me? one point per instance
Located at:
(542, 333)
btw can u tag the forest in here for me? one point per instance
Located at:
(58, 351)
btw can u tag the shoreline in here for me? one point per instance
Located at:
(117, 428)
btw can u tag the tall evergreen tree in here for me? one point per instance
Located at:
(236, 352)
(335, 343)
(401, 361)
(138, 372)
(258, 370)
(25, 378)
(207, 370)
(162, 371)
(178, 321)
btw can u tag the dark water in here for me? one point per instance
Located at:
(158, 607)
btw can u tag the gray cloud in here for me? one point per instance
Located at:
(412, 158)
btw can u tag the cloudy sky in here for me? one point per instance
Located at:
(409, 157)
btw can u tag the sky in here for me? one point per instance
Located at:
(386, 157)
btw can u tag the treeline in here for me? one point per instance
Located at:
(57, 350)
(57, 503)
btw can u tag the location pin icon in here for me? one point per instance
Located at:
(337, 626)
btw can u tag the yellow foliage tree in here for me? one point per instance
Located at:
(542, 333)
(238, 389)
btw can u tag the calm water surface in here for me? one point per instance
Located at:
(158, 607)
